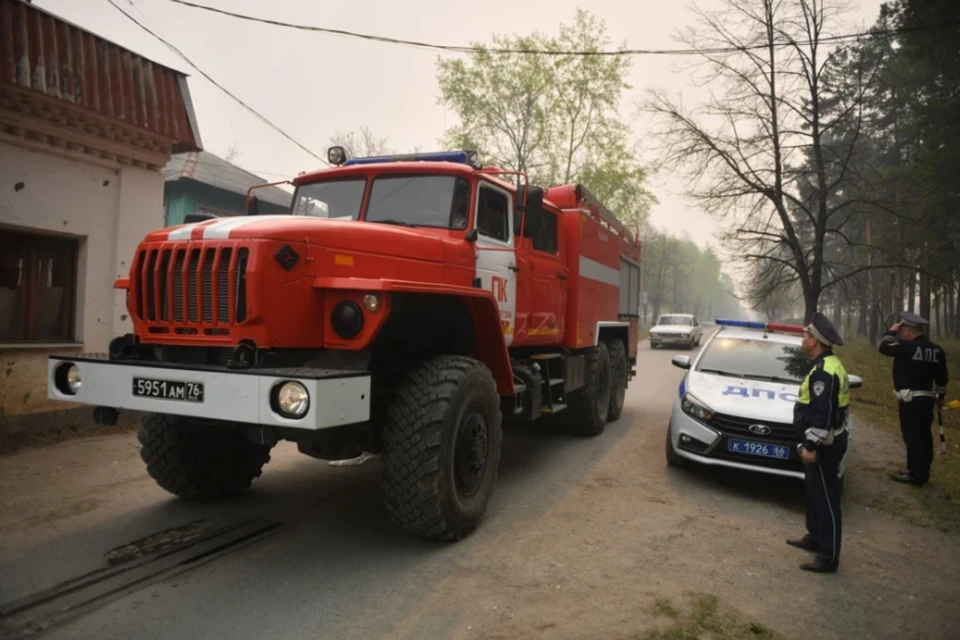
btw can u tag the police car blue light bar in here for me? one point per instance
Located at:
(765, 326)
(457, 157)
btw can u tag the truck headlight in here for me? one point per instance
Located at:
(695, 409)
(291, 400)
(67, 379)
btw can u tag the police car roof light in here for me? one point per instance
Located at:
(744, 324)
(458, 157)
(786, 328)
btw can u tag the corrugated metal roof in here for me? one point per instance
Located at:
(212, 170)
(42, 52)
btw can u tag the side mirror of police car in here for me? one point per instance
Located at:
(681, 362)
(855, 381)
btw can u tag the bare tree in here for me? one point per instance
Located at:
(362, 143)
(232, 153)
(765, 152)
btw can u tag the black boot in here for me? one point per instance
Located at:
(806, 543)
(820, 565)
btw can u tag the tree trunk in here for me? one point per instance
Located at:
(863, 312)
(956, 318)
(838, 311)
(935, 320)
(912, 293)
(925, 296)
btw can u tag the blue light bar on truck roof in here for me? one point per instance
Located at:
(458, 157)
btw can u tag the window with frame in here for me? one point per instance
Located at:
(38, 287)
(493, 214)
(544, 237)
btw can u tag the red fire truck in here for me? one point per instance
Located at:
(407, 306)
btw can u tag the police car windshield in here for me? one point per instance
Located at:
(686, 321)
(756, 359)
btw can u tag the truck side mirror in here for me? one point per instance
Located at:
(530, 210)
(472, 235)
(198, 216)
(253, 206)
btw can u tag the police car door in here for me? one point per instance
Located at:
(496, 258)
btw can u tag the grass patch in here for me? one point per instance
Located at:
(706, 618)
(937, 504)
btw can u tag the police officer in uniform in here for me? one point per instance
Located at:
(821, 413)
(919, 382)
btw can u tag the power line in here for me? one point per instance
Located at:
(553, 52)
(215, 83)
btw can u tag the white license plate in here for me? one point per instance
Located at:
(168, 390)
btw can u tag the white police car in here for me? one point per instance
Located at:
(735, 404)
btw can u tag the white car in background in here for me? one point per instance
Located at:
(735, 404)
(676, 329)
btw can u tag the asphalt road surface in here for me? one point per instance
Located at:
(580, 537)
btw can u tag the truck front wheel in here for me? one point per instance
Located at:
(441, 447)
(199, 461)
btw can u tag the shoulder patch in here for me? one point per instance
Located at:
(818, 388)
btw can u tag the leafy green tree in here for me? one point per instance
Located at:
(550, 113)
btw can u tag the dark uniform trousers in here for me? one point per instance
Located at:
(916, 420)
(824, 523)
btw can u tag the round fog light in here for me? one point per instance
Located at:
(292, 400)
(371, 302)
(73, 379)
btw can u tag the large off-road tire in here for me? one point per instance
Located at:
(441, 447)
(196, 460)
(589, 406)
(619, 373)
(673, 459)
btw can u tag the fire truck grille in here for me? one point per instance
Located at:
(192, 287)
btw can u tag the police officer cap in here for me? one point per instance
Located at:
(823, 331)
(913, 320)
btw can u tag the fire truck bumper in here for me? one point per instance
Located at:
(333, 397)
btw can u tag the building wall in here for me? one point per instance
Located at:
(184, 197)
(109, 210)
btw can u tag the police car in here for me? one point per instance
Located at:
(734, 407)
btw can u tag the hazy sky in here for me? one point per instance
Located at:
(312, 85)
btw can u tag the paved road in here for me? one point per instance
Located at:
(602, 518)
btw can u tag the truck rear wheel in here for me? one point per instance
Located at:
(441, 447)
(589, 406)
(619, 373)
(198, 461)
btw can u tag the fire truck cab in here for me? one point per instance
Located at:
(407, 306)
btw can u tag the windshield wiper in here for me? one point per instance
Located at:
(770, 379)
(721, 372)
(399, 223)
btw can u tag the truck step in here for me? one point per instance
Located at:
(546, 356)
(555, 381)
(557, 408)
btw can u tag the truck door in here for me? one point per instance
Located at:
(548, 286)
(496, 259)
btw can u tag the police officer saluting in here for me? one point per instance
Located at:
(821, 412)
(918, 365)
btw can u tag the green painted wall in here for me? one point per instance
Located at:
(184, 197)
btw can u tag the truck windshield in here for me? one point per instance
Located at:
(409, 200)
(420, 201)
(340, 199)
